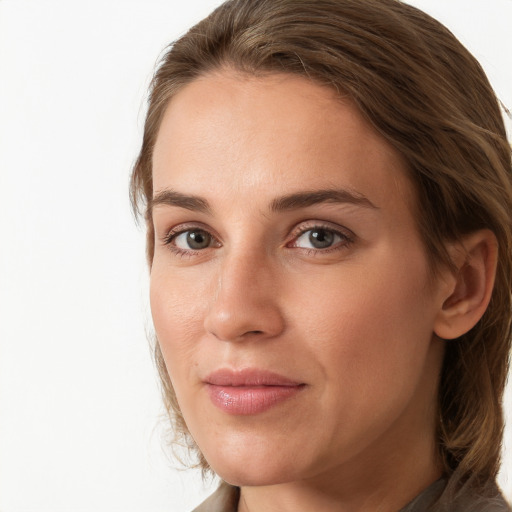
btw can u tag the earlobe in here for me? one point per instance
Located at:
(475, 258)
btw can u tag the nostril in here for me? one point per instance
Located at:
(256, 319)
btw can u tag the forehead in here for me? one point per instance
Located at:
(230, 134)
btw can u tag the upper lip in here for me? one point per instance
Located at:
(248, 377)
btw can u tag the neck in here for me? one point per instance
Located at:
(379, 485)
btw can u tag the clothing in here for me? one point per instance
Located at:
(225, 499)
(431, 500)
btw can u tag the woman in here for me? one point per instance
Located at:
(327, 189)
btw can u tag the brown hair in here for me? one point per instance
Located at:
(428, 96)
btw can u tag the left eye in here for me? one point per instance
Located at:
(318, 238)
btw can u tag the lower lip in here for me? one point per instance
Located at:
(245, 400)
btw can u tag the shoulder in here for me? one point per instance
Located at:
(475, 503)
(224, 499)
(439, 497)
(489, 499)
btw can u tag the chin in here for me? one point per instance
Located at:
(241, 475)
(253, 467)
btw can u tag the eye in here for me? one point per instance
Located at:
(320, 238)
(195, 239)
(184, 241)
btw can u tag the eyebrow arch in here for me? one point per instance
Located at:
(312, 197)
(169, 197)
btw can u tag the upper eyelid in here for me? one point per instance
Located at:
(300, 228)
(183, 227)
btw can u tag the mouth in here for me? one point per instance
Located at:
(249, 391)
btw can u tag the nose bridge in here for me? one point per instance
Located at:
(245, 299)
(245, 268)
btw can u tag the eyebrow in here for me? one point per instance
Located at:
(169, 197)
(312, 197)
(287, 202)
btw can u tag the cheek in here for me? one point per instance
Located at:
(177, 310)
(368, 333)
(374, 319)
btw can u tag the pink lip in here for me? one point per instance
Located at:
(249, 391)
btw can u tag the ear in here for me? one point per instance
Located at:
(469, 293)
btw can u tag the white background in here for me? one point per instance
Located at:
(79, 401)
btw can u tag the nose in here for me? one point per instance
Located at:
(244, 304)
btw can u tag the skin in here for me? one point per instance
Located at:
(354, 322)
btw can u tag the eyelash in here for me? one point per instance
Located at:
(346, 236)
(171, 236)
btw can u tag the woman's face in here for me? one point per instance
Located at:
(290, 290)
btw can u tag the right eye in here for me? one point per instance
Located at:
(196, 239)
(189, 240)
